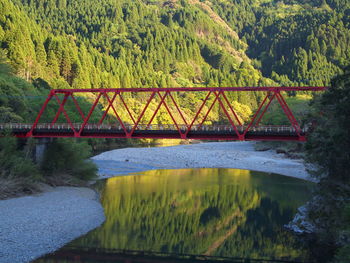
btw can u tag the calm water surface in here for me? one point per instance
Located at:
(219, 212)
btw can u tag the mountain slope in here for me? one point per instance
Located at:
(294, 41)
(134, 43)
(89, 44)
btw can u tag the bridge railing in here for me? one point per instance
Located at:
(152, 127)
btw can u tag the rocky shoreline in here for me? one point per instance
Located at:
(32, 226)
(35, 225)
(238, 155)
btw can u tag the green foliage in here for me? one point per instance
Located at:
(15, 163)
(120, 44)
(329, 144)
(342, 255)
(20, 102)
(304, 42)
(89, 44)
(298, 104)
(99, 44)
(4, 66)
(328, 147)
(65, 156)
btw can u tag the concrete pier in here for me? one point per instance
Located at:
(40, 148)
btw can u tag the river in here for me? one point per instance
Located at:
(207, 211)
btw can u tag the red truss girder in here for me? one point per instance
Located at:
(184, 130)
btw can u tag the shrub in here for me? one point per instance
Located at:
(68, 157)
(18, 173)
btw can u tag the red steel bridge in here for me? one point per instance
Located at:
(139, 122)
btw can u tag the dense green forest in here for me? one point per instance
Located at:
(177, 43)
(98, 44)
(131, 44)
(329, 148)
(293, 41)
(89, 44)
(19, 102)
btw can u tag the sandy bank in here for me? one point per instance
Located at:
(32, 226)
(239, 155)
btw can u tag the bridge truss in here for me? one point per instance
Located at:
(139, 120)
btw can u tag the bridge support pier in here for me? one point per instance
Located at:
(40, 148)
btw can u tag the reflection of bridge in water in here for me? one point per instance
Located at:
(94, 255)
(128, 121)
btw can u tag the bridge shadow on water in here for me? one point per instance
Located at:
(96, 255)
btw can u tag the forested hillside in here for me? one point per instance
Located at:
(19, 102)
(101, 44)
(179, 43)
(88, 44)
(293, 41)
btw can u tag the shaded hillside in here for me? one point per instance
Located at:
(293, 41)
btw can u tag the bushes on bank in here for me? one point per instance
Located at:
(69, 157)
(18, 173)
(65, 162)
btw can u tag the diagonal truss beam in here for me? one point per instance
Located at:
(289, 114)
(162, 98)
(61, 106)
(230, 106)
(228, 115)
(129, 134)
(127, 108)
(268, 96)
(178, 109)
(197, 113)
(77, 106)
(38, 117)
(86, 119)
(107, 109)
(172, 117)
(61, 109)
(110, 105)
(166, 98)
(208, 111)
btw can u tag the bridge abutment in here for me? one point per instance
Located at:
(40, 149)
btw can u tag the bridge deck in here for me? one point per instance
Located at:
(203, 132)
(88, 255)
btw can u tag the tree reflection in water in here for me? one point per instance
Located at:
(221, 212)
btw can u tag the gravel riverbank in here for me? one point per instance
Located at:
(32, 226)
(35, 225)
(239, 155)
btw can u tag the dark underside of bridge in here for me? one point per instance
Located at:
(93, 255)
(162, 134)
